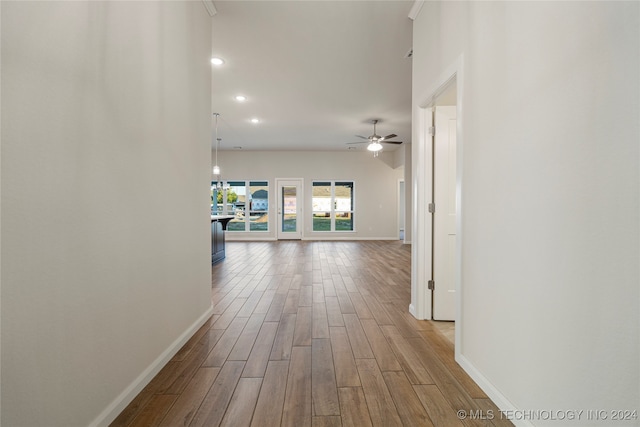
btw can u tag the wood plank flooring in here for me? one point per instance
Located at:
(313, 334)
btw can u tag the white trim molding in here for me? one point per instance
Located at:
(420, 306)
(492, 392)
(121, 401)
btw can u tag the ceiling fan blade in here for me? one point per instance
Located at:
(393, 135)
(363, 137)
(391, 142)
(359, 142)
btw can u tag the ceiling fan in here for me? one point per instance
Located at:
(375, 141)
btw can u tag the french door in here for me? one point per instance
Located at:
(289, 209)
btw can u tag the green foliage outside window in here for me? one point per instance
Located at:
(232, 197)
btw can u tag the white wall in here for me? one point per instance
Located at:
(550, 196)
(376, 186)
(106, 115)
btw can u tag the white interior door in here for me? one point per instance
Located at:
(289, 209)
(444, 229)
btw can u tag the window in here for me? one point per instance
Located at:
(343, 206)
(248, 201)
(216, 199)
(333, 206)
(258, 206)
(236, 198)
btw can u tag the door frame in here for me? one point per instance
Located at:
(402, 206)
(421, 299)
(299, 182)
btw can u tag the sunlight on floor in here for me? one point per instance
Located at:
(447, 328)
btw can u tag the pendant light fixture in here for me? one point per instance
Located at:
(216, 168)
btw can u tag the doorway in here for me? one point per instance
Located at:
(444, 238)
(448, 86)
(289, 206)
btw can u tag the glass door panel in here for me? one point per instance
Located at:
(289, 209)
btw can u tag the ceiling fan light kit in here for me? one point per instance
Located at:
(375, 141)
(374, 146)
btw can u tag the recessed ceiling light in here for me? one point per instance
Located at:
(255, 120)
(241, 98)
(217, 61)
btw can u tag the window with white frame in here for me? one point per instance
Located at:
(258, 206)
(332, 205)
(248, 201)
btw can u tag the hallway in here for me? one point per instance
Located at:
(313, 334)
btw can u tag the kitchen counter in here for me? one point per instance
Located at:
(223, 219)
(218, 227)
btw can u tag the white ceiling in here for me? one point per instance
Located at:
(314, 72)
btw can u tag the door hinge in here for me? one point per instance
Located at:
(432, 130)
(431, 284)
(432, 208)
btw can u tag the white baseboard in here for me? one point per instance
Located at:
(412, 310)
(120, 403)
(308, 239)
(249, 239)
(494, 394)
(347, 239)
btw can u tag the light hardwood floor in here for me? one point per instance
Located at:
(313, 334)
